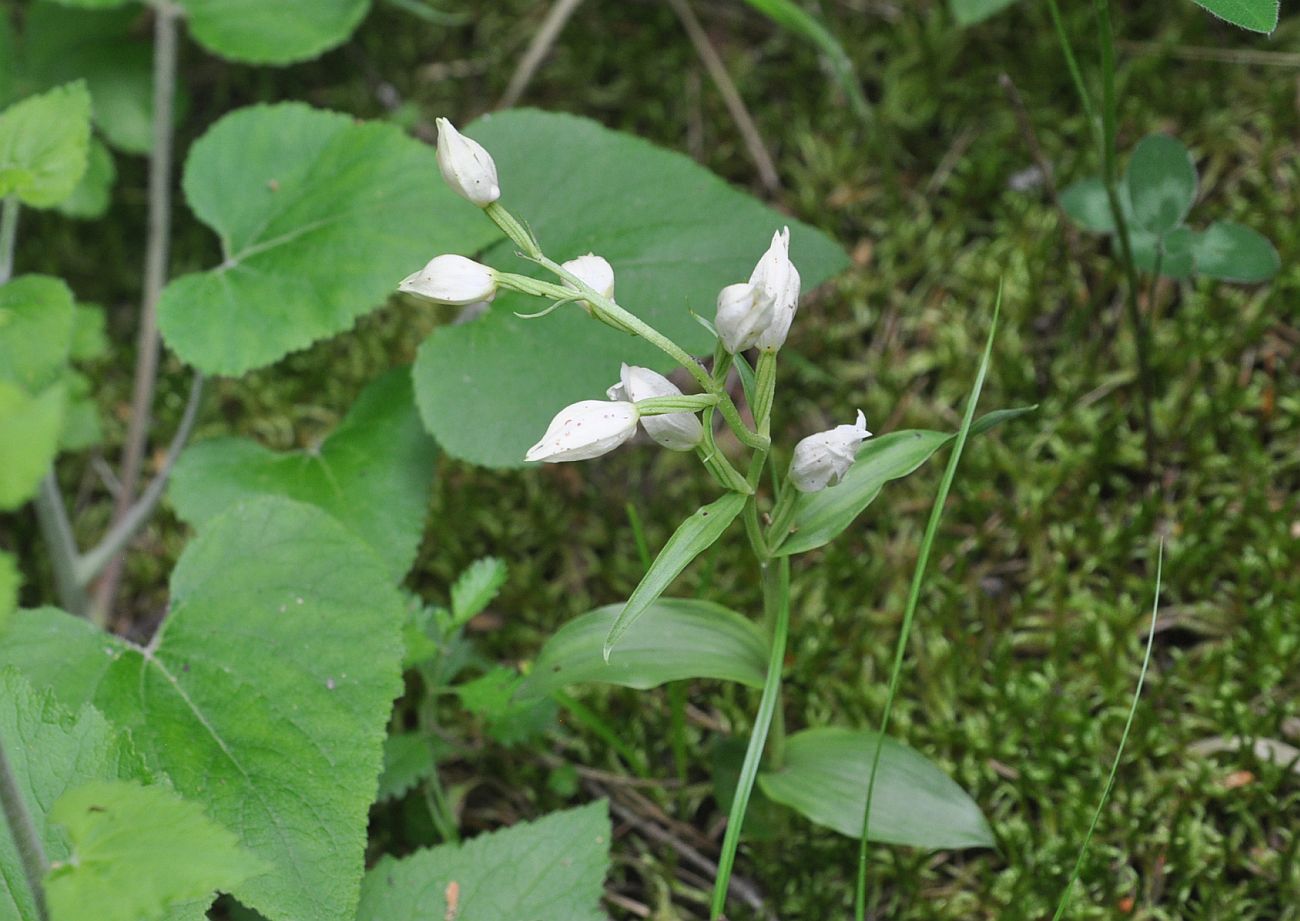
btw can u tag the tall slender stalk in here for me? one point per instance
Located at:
(61, 544)
(166, 27)
(31, 854)
(776, 606)
(8, 236)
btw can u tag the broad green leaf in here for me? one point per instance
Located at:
(107, 49)
(1255, 15)
(409, 757)
(675, 235)
(257, 32)
(1171, 253)
(29, 439)
(10, 582)
(680, 639)
(510, 721)
(90, 198)
(820, 516)
(372, 474)
(969, 12)
(476, 587)
(37, 314)
(824, 777)
(137, 852)
(1086, 204)
(319, 217)
(1231, 252)
(796, 19)
(51, 750)
(81, 427)
(552, 869)
(692, 537)
(43, 145)
(1161, 182)
(263, 697)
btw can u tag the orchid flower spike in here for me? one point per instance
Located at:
(595, 272)
(779, 281)
(675, 431)
(585, 430)
(467, 167)
(451, 279)
(744, 312)
(821, 460)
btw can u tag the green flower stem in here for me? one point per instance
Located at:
(8, 236)
(782, 516)
(56, 530)
(23, 831)
(514, 229)
(776, 607)
(690, 403)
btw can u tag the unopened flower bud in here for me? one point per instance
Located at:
(675, 431)
(776, 275)
(744, 311)
(821, 460)
(466, 166)
(585, 430)
(595, 272)
(452, 279)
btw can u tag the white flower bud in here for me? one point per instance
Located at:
(821, 460)
(585, 430)
(776, 275)
(675, 431)
(744, 311)
(595, 272)
(452, 279)
(466, 166)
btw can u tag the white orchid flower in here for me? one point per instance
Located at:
(467, 166)
(675, 431)
(821, 460)
(585, 430)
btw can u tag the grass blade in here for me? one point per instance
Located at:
(913, 597)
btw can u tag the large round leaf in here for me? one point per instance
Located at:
(675, 235)
(272, 31)
(1232, 252)
(264, 697)
(824, 777)
(44, 142)
(319, 216)
(1161, 181)
(680, 638)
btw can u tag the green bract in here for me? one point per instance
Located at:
(674, 233)
(263, 697)
(372, 474)
(138, 852)
(317, 215)
(43, 145)
(548, 870)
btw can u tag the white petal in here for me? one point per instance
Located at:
(466, 166)
(744, 311)
(675, 431)
(585, 430)
(451, 279)
(821, 460)
(594, 271)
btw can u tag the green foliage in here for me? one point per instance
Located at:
(1155, 197)
(272, 33)
(52, 750)
(136, 852)
(89, 200)
(475, 588)
(692, 537)
(678, 638)
(372, 474)
(409, 757)
(29, 438)
(824, 777)
(548, 870)
(10, 581)
(1254, 15)
(674, 233)
(43, 145)
(510, 720)
(821, 516)
(317, 216)
(969, 12)
(263, 697)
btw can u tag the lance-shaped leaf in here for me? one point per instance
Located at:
(43, 145)
(675, 235)
(372, 473)
(824, 777)
(692, 537)
(1255, 15)
(552, 869)
(820, 516)
(263, 697)
(1161, 183)
(319, 217)
(969, 12)
(1231, 252)
(680, 638)
(138, 852)
(51, 750)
